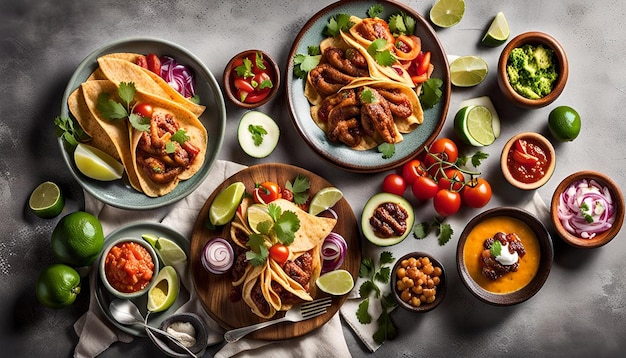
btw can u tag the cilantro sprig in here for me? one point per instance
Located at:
(69, 131)
(114, 110)
(257, 132)
(336, 24)
(431, 92)
(280, 229)
(443, 230)
(300, 189)
(381, 54)
(304, 63)
(387, 150)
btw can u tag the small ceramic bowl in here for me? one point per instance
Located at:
(172, 350)
(544, 250)
(440, 288)
(102, 270)
(229, 77)
(507, 161)
(600, 238)
(533, 38)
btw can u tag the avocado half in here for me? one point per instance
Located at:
(368, 212)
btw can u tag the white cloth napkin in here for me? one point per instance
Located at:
(96, 334)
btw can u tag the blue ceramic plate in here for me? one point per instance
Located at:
(104, 298)
(339, 154)
(119, 193)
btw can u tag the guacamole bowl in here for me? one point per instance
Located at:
(559, 64)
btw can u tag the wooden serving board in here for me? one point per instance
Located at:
(214, 290)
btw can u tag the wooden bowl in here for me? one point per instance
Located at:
(601, 238)
(545, 248)
(228, 79)
(504, 161)
(533, 38)
(441, 287)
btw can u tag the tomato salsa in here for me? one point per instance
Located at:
(528, 160)
(129, 267)
(252, 77)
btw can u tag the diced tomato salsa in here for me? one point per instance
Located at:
(528, 160)
(129, 267)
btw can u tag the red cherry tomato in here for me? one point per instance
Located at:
(143, 109)
(243, 85)
(442, 149)
(394, 184)
(412, 170)
(257, 96)
(279, 252)
(451, 179)
(447, 202)
(266, 192)
(424, 188)
(476, 193)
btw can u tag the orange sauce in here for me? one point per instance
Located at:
(129, 267)
(528, 265)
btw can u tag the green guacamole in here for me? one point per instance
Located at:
(532, 70)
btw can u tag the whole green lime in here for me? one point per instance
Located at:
(57, 286)
(564, 123)
(77, 239)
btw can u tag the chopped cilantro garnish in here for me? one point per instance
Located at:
(476, 159)
(259, 60)
(367, 96)
(71, 134)
(387, 150)
(337, 23)
(245, 69)
(257, 133)
(109, 108)
(113, 110)
(396, 25)
(281, 230)
(444, 231)
(431, 92)
(180, 136)
(305, 63)
(375, 10)
(381, 54)
(299, 188)
(496, 248)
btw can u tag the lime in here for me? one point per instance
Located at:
(46, 201)
(446, 13)
(258, 213)
(57, 286)
(97, 164)
(467, 71)
(498, 31)
(485, 101)
(324, 200)
(77, 239)
(225, 204)
(168, 251)
(337, 282)
(564, 123)
(164, 291)
(474, 125)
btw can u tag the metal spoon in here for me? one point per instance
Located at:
(127, 313)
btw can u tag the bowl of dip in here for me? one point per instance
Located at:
(546, 79)
(251, 79)
(587, 209)
(188, 328)
(528, 160)
(504, 256)
(128, 266)
(418, 282)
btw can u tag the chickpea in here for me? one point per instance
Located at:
(428, 292)
(404, 263)
(415, 301)
(436, 280)
(425, 261)
(417, 289)
(412, 272)
(412, 261)
(430, 283)
(401, 272)
(405, 295)
(400, 286)
(430, 299)
(428, 269)
(437, 271)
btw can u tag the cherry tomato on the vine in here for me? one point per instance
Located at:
(279, 252)
(476, 193)
(451, 179)
(143, 109)
(394, 184)
(266, 192)
(442, 149)
(412, 170)
(447, 202)
(424, 188)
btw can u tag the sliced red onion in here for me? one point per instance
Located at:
(586, 208)
(178, 76)
(218, 256)
(333, 253)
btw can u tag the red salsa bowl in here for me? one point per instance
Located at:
(528, 160)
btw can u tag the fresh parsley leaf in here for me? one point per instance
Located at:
(71, 134)
(337, 23)
(299, 188)
(383, 274)
(245, 69)
(443, 230)
(431, 92)
(476, 159)
(264, 227)
(375, 10)
(386, 257)
(139, 123)
(367, 267)
(367, 287)
(381, 54)
(496, 248)
(303, 64)
(387, 150)
(386, 329)
(444, 233)
(421, 230)
(362, 314)
(257, 132)
(109, 108)
(126, 91)
(368, 97)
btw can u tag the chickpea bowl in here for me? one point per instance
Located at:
(504, 256)
(543, 85)
(251, 79)
(587, 209)
(528, 160)
(418, 282)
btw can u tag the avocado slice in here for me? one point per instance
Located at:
(368, 211)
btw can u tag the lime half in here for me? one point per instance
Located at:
(337, 282)
(164, 291)
(474, 124)
(258, 213)
(324, 200)
(168, 251)
(46, 201)
(225, 204)
(97, 164)
(498, 31)
(446, 13)
(468, 71)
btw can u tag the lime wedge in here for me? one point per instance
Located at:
(485, 101)
(97, 164)
(468, 71)
(446, 13)
(46, 201)
(498, 31)
(224, 206)
(475, 124)
(258, 213)
(336, 283)
(164, 291)
(168, 251)
(324, 200)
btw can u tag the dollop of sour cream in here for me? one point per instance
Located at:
(507, 258)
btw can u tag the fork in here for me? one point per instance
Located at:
(297, 313)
